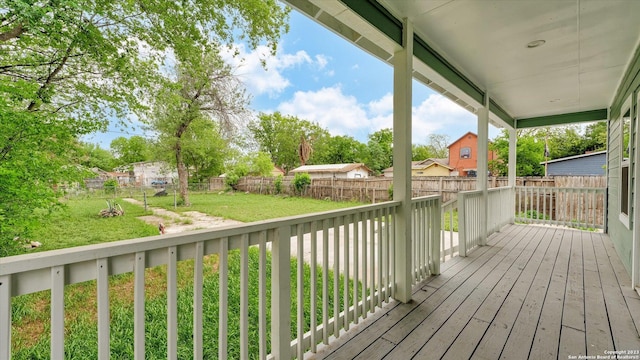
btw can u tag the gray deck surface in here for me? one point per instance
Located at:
(532, 293)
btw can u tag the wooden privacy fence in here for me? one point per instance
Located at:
(378, 189)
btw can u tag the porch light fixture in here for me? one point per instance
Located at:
(535, 43)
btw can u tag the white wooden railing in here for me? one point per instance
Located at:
(426, 214)
(357, 242)
(471, 204)
(573, 207)
(449, 239)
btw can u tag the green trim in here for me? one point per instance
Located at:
(630, 82)
(378, 16)
(501, 113)
(584, 116)
(435, 61)
(383, 20)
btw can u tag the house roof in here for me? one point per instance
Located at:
(462, 137)
(426, 163)
(330, 168)
(471, 50)
(574, 157)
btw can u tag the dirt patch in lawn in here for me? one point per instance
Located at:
(180, 222)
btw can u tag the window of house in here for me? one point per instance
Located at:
(625, 163)
(465, 153)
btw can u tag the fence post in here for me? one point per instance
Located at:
(175, 199)
(281, 293)
(144, 194)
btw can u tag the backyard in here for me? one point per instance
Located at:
(79, 224)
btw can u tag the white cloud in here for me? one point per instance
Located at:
(248, 66)
(329, 107)
(342, 114)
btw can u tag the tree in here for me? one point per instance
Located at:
(595, 136)
(339, 149)
(420, 152)
(529, 154)
(439, 145)
(204, 150)
(131, 150)
(380, 150)
(279, 135)
(562, 141)
(93, 156)
(67, 68)
(204, 90)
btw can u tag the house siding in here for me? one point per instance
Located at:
(588, 165)
(434, 170)
(621, 236)
(459, 164)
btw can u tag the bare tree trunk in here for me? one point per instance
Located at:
(183, 176)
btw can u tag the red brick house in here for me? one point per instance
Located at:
(463, 155)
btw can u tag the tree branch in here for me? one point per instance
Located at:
(15, 32)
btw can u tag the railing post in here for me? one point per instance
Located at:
(281, 294)
(435, 238)
(462, 226)
(5, 317)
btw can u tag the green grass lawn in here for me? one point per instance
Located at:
(250, 207)
(79, 224)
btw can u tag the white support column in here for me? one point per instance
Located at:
(512, 171)
(281, 293)
(402, 93)
(483, 166)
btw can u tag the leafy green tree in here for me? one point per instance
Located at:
(380, 150)
(562, 141)
(93, 156)
(131, 150)
(68, 67)
(595, 136)
(420, 152)
(204, 150)
(279, 136)
(529, 154)
(204, 90)
(260, 164)
(339, 150)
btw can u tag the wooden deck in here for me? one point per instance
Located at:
(532, 293)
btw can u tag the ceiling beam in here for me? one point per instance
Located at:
(583, 116)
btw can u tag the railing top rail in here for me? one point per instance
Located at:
(30, 262)
(424, 198)
(450, 202)
(598, 189)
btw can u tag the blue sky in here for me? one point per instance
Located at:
(318, 76)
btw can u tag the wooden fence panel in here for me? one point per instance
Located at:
(374, 190)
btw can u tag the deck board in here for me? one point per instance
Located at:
(533, 292)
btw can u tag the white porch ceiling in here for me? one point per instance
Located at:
(588, 44)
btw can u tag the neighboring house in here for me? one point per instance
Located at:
(149, 173)
(586, 164)
(102, 176)
(339, 171)
(427, 167)
(277, 171)
(463, 155)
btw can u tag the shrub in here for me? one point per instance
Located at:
(110, 183)
(390, 190)
(277, 184)
(300, 182)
